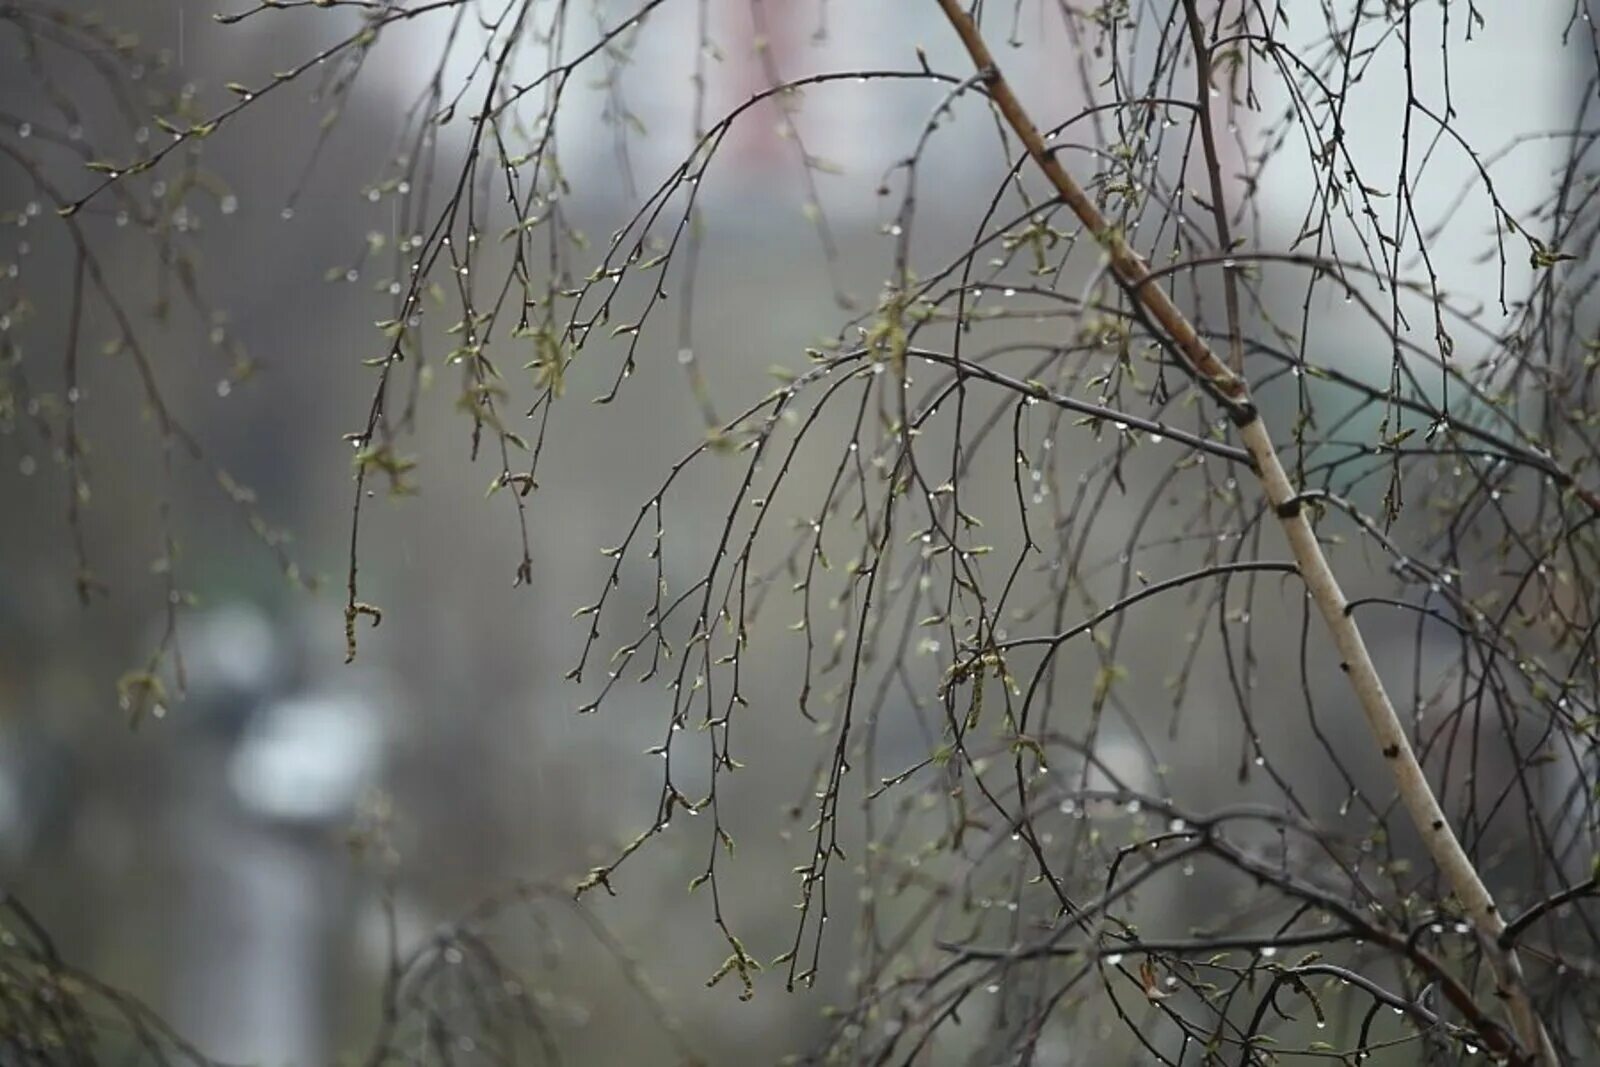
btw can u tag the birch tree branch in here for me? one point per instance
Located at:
(1388, 732)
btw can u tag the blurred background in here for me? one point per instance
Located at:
(246, 856)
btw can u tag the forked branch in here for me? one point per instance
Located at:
(1232, 390)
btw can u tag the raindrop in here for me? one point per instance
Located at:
(1114, 959)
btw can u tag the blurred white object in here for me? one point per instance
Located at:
(232, 649)
(306, 759)
(264, 879)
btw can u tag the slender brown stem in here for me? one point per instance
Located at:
(1219, 203)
